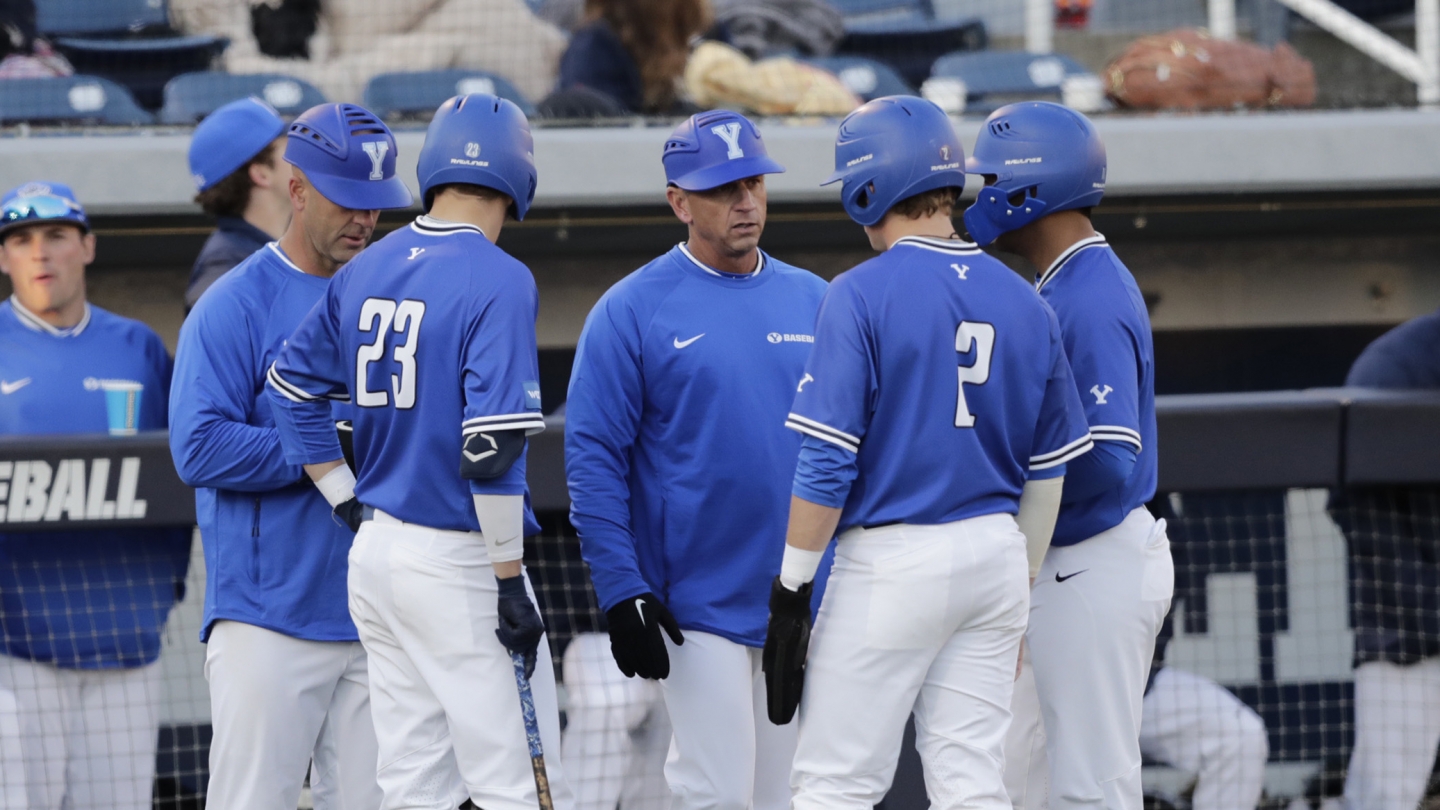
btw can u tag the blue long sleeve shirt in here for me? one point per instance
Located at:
(676, 454)
(274, 555)
(92, 599)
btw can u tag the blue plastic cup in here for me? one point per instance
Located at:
(122, 405)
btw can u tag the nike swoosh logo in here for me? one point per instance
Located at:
(1059, 578)
(640, 608)
(680, 344)
(506, 540)
(8, 388)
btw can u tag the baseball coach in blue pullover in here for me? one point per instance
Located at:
(287, 674)
(680, 467)
(81, 612)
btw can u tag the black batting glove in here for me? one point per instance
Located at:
(787, 641)
(635, 640)
(520, 627)
(351, 513)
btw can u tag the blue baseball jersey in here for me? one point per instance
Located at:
(1107, 338)
(430, 333)
(94, 599)
(274, 556)
(939, 378)
(678, 467)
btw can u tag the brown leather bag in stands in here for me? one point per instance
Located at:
(1187, 70)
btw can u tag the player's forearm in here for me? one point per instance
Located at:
(811, 525)
(1039, 508)
(502, 524)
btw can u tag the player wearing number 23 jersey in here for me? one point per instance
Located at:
(431, 334)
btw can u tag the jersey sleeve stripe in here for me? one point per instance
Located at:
(1044, 457)
(530, 426)
(287, 389)
(827, 437)
(840, 435)
(1110, 433)
(1076, 452)
(503, 417)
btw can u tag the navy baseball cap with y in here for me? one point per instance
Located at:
(348, 154)
(231, 137)
(711, 149)
(39, 202)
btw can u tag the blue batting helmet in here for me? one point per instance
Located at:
(348, 155)
(34, 203)
(481, 140)
(231, 137)
(711, 149)
(893, 148)
(1045, 158)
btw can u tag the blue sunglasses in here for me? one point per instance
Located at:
(42, 207)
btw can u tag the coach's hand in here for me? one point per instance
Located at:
(520, 627)
(635, 639)
(787, 640)
(351, 512)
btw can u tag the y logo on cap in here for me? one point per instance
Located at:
(377, 151)
(730, 134)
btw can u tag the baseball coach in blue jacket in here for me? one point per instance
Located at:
(287, 674)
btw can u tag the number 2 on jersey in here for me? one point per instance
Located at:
(980, 337)
(401, 318)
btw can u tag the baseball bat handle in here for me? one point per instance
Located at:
(532, 733)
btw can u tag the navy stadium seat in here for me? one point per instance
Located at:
(418, 94)
(995, 78)
(127, 41)
(98, 17)
(905, 34)
(866, 78)
(76, 99)
(192, 96)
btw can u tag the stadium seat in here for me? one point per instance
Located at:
(127, 41)
(905, 34)
(192, 96)
(400, 95)
(866, 78)
(99, 17)
(74, 99)
(995, 78)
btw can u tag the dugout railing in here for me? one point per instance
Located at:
(1256, 489)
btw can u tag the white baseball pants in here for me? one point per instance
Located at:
(280, 703)
(87, 736)
(726, 754)
(922, 619)
(618, 734)
(442, 687)
(1397, 726)
(1094, 612)
(1198, 726)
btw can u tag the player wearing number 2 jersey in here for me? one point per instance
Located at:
(431, 333)
(939, 414)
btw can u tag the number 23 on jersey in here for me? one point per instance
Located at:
(384, 317)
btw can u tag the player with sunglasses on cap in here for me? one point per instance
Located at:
(288, 677)
(81, 612)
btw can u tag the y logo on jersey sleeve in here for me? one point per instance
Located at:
(1101, 393)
